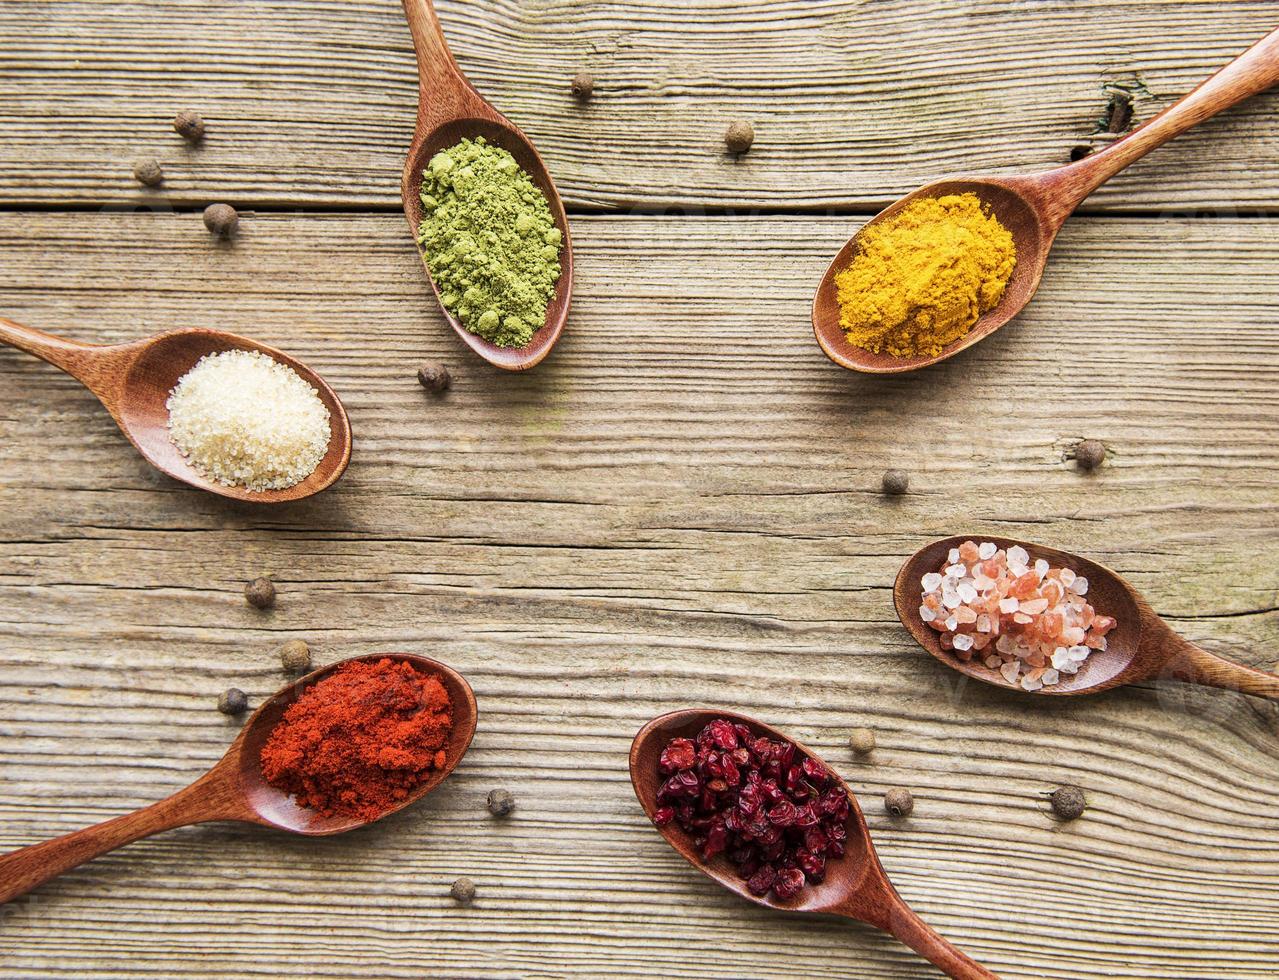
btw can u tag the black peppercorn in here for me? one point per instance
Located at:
(221, 219)
(260, 593)
(862, 741)
(148, 173)
(1089, 454)
(434, 377)
(232, 701)
(739, 137)
(899, 802)
(1068, 802)
(895, 482)
(463, 891)
(295, 657)
(189, 125)
(583, 85)
(500, 802)
(1079, 151)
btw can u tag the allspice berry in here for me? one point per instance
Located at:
(500, 802)
(583, 85)
(463, 891)
(232, 701)
(1089, 454)
(899, 802)
(148, 173)
(434, 377)
(739, 137)
(895, 482)
(221, 219)
(260, 593)
(295, 657)
(1068, 802)
(189, 125)
(862, 741)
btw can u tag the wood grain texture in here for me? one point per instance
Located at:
(629, 529)
(311, 102)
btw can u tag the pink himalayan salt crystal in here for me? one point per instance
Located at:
(1031, 623)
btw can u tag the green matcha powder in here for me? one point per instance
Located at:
(489, 241)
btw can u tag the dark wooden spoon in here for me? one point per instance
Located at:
(234, 790)
(1035, 206)
(1141, 647)
(449, 109)
(133, 382)
(855, 887)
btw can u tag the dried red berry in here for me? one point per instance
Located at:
(663, 815)
(788, 884)
(680, 754)
(761, 882)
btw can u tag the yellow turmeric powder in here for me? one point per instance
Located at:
(921, 278)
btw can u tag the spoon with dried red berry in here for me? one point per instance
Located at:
(766, 818)
(1035, 619)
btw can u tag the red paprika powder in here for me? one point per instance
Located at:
(360, 740)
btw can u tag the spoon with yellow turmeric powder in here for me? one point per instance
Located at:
(952, 262)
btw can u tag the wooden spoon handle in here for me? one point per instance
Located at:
(29, 867)
(443, 91)
(1196, 666)
(878, 903)
(1256, 70)
(98, 368)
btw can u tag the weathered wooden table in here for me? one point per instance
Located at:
(681, 505)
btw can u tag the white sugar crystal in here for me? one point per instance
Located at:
(983, 623)
(957, 570)
(927, 614)
(986, 551)
(1079, 586)
(1079, 653)
(1017, 556)
(963, 641)
(1011, 671)
(1009, 605)
(1067, 576)
(981, 583)
(1028, 685)
(952, 623)
(950, 599)
(954, 555)
(1050, 677)
(1070, 668)
(931, 582)
(1041, 569)
(1060, 658)
(967, 592)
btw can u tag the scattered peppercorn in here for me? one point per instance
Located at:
(583, 85)
(1079, 151)
(1119, 115)
(148, 173)
(1068, 802)
(434, 377)
(221, 219)
(295, 656)
(895, 482)
(463, 891)
(189, 125)
(862, 741)
(1089, 454)
(232, 701)
(260, 593)
(500, 802)
(739, 137)
(899, 802)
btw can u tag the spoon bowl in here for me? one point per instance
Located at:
(235, 789)
(449, 110)
(855, 885)
(133, 382)
(1141, 647)
(1033, 207)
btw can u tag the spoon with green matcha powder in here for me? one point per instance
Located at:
(498, 228)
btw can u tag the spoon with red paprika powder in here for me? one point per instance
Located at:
(375, 694)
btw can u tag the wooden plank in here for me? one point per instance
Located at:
(311, 102)
(689, 516)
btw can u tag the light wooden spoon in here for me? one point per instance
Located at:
(855, 887)
(1141, 647)
(1035, 206)
(234, 790)
(133, 382)
(449, 109)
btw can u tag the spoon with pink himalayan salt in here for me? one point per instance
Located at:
(1033, 207)
(1140, 647)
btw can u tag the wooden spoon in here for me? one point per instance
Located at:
(233, 790)
(1141, 647)
(133, 381)
(1035, 206)
(855, 887)
(449, 109)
